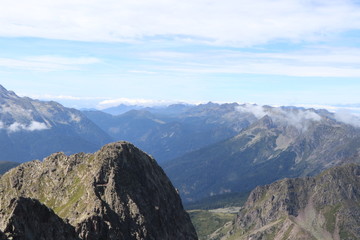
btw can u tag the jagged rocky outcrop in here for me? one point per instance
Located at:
(30, 220)
(323, 207)
(118, 192)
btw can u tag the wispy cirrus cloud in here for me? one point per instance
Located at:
(65, 97)
(313, 61)
(47, 63)
(194, 50)
(228, 22)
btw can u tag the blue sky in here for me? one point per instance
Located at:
(101, 53)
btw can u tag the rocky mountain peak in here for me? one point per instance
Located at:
(265, 122)
(118, 192)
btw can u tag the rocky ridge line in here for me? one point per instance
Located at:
(323, 207)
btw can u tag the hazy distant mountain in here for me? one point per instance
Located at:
(324, 207)
(31, 129)
(173, 109)
(170, 132)
(120, 109)
(286, 142)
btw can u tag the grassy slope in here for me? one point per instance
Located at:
(207, 222)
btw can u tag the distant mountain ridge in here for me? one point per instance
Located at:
(170, 132)
(157, 109)
(32, 129)
(286, 142)
(120, 109)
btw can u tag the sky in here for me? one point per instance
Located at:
(100, 53)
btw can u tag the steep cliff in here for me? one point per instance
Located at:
(30, 220)
(323, 207)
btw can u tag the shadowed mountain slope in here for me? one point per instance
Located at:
(30, 220)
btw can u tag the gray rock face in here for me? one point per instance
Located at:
(323, 207)
(31, 220)
(118, 192)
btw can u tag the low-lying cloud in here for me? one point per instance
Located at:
(138, 102)
(258, 111)
(347, 117)
(17, 127)
(296, 117)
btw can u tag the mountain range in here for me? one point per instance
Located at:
(285, 142)
(206, 150)
(170, 132)
(32, 129)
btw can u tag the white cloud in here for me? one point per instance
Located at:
(354, 110)
(63, 60)
(345, 116)
(258, 111)
(296, 117)
(312, 61)
(234, 22)
(141, 72)
(33, 126)
(64, 97)
(47, 63)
